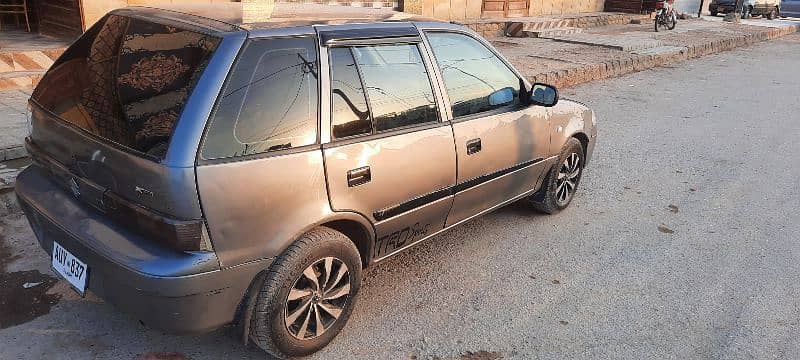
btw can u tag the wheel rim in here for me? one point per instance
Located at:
(317, 299)
(567, 181)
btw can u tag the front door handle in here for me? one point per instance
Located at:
(473, 146)
(359, 176)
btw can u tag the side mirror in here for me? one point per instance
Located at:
(502, 96)
(544, 95)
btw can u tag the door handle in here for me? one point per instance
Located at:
(359, 176)
(473, 146)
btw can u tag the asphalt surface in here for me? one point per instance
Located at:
(682, 243)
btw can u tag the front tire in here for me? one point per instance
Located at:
(673, 20)
(307, 295)
(561, 183)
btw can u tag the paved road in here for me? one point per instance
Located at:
(706, 150)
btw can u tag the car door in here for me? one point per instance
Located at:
(501, 142)
(790, 8)
(391, 156)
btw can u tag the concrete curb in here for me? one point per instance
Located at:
(13, 152)
(644, 61)
(8, 202)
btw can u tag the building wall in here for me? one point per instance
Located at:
(457, 10)
(472, 9)
(93, 10)
(691, 6)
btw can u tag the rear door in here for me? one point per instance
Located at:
(501, 142)
(390, 157)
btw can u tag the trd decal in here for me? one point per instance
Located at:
(396, 240)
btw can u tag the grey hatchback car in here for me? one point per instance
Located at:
(198, 172)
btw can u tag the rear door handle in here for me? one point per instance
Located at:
(473, 146)
(359, 176)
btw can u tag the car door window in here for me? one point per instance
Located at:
(475, 78)
(397, 85)
(269, 102)
(350, 115)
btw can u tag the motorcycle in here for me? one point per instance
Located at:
(665, 15)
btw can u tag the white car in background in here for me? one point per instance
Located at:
(770, 9)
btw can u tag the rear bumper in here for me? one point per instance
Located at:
(178, 292)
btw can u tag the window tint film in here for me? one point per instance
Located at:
(350, 113)
(476, 79)
(269, 102)
(126, 81)
(398, 88)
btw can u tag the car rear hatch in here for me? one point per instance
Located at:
(104, 114)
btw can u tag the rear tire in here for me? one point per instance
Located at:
(714, 13)
(564, 175)
(773, 13)
(304, 301)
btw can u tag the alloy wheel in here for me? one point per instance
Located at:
(567, 181)
(317, 299)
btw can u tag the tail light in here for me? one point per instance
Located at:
(185, 235)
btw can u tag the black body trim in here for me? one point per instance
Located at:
(442, 193)
(471, 183)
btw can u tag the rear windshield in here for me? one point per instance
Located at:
(126, 80)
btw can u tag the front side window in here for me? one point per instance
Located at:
(269, 102)
(475, 78)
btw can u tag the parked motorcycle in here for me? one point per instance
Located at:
(666, 17)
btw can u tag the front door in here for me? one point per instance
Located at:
(501, 142)
(390, 158)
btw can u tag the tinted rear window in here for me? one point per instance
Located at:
(126, 80)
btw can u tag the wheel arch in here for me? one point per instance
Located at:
(584, 140)
(353, 225)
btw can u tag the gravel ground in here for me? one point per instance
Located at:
(680, 244)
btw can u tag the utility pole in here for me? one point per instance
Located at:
(700, 10)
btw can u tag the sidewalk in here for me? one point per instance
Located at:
(12, 123)
(614, 50)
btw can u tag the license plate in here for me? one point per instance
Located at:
(68, 266)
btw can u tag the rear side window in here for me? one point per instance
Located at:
(475, 78)
(350, 116)
(269, 102)
(397, 83)
(126, 80)
(379, 88)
